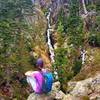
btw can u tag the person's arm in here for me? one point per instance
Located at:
(29, 73)
(46, 70)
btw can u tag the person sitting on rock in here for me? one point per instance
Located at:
(40, 80)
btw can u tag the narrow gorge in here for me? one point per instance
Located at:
(64, 33)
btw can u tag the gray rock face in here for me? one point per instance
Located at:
(82, 88)
(89, 87)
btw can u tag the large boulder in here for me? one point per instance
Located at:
(89, 87)
(34, 96)
(51, 96)
(82, 88)
(54, 94)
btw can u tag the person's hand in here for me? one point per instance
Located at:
(29, 73)
(46, 70)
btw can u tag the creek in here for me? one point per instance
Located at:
(48, 34)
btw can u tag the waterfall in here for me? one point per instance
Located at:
(83, 55)
(51, 49)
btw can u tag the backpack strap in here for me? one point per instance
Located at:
(44, 83)
(39, 82)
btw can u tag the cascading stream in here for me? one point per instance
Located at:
(83, 55)
(51, 49)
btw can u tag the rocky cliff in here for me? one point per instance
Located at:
(88, 89)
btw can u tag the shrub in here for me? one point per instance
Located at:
(63, 66)
(77, 66)
(94, 40)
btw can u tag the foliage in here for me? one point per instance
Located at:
(14, 55)
(61, 23)
(14, 8)
(94, 40)
(91, 7)
(94, 37)
(60, 57)
(66, 59)
(61, 27)
(74, 8)
(63, 66)
(60, 39)
(98, 6)
(77, 66)
(75, 35)
(45, 10)
(75, 25)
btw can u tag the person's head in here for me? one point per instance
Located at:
(39, 63)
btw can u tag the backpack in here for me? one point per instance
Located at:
(41, 82)
(47, 85)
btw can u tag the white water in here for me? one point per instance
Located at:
(51, 49)
(83, 55)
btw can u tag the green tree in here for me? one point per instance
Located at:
(75, 25)
(61, 27)
(14, 55)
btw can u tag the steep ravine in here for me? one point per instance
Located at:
(88, 89)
